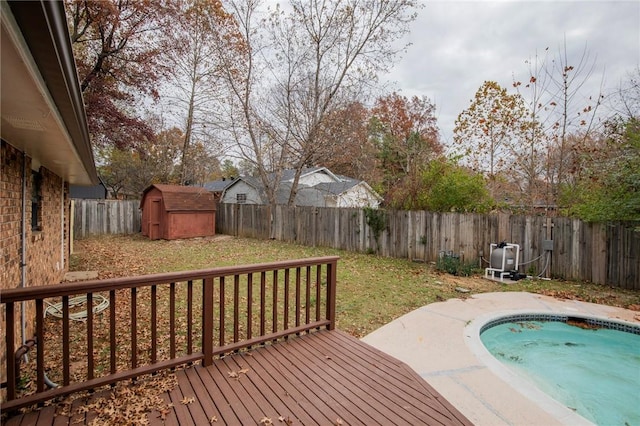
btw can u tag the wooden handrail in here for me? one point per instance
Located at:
(219, 322)
(94, 286)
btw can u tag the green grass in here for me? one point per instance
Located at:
(372, 290)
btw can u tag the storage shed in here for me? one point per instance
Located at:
(171, 211)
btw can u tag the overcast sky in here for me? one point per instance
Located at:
(457, 45)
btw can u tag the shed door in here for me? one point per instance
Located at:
(154, 219)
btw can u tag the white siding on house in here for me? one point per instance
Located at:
(357, 196)
(315, 178)
(241, 187)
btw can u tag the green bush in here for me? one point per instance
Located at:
(454, 266)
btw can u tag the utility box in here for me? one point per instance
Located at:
(172, 211)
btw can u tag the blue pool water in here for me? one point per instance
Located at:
(595, 372)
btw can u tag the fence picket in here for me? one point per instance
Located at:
(99, 217)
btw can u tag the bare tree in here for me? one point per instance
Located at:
(337, 49)
(246, 104)
(300, 66)
(574, 114)
(625, 102)
(195, 72)
(534, 141)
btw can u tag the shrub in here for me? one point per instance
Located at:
(452, 264)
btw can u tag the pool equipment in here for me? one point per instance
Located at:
(503, 261)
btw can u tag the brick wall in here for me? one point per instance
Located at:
(47, 249)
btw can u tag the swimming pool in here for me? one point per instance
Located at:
(590, 365)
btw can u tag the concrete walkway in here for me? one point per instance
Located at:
(441, 343)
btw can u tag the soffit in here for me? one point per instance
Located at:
(30, 119)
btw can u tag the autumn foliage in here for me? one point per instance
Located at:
(116, 45)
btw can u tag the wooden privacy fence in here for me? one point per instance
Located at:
(603, 253)
(98, 217)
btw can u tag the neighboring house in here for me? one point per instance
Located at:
(317, 186)
(44, 148)
(216, 187)
(244, 190)
(93, 192)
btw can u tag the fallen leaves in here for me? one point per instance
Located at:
(164, 412)
(560, 294)
(187, 400)
(213, 419)
(126, 403)
(236, 374)
(266, 421)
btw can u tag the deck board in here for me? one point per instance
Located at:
(312, 379)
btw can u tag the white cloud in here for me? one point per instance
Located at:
(456, 46)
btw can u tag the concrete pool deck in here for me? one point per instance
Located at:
(441, 343)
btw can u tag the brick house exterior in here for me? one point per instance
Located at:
(44, 147)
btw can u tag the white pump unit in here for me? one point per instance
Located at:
(503, 260)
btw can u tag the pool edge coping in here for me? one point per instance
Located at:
(471, 336)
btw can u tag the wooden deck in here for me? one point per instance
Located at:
(322, 378)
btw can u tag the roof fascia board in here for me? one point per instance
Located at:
(67, 105)
(318, 170)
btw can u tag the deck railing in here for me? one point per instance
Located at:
(160, 321)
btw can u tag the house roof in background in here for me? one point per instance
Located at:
(290, 174)
(305, 195)
(336, 188)
(183, 198)
(42, 107)
(92, 192)
(218, 185)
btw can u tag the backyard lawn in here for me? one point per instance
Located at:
(372, 290)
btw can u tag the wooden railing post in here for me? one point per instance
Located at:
(331, 293)
(10, 325)
(39, 345)
(65, 341)
(207, 321)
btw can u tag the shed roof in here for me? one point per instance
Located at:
(177, 198)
